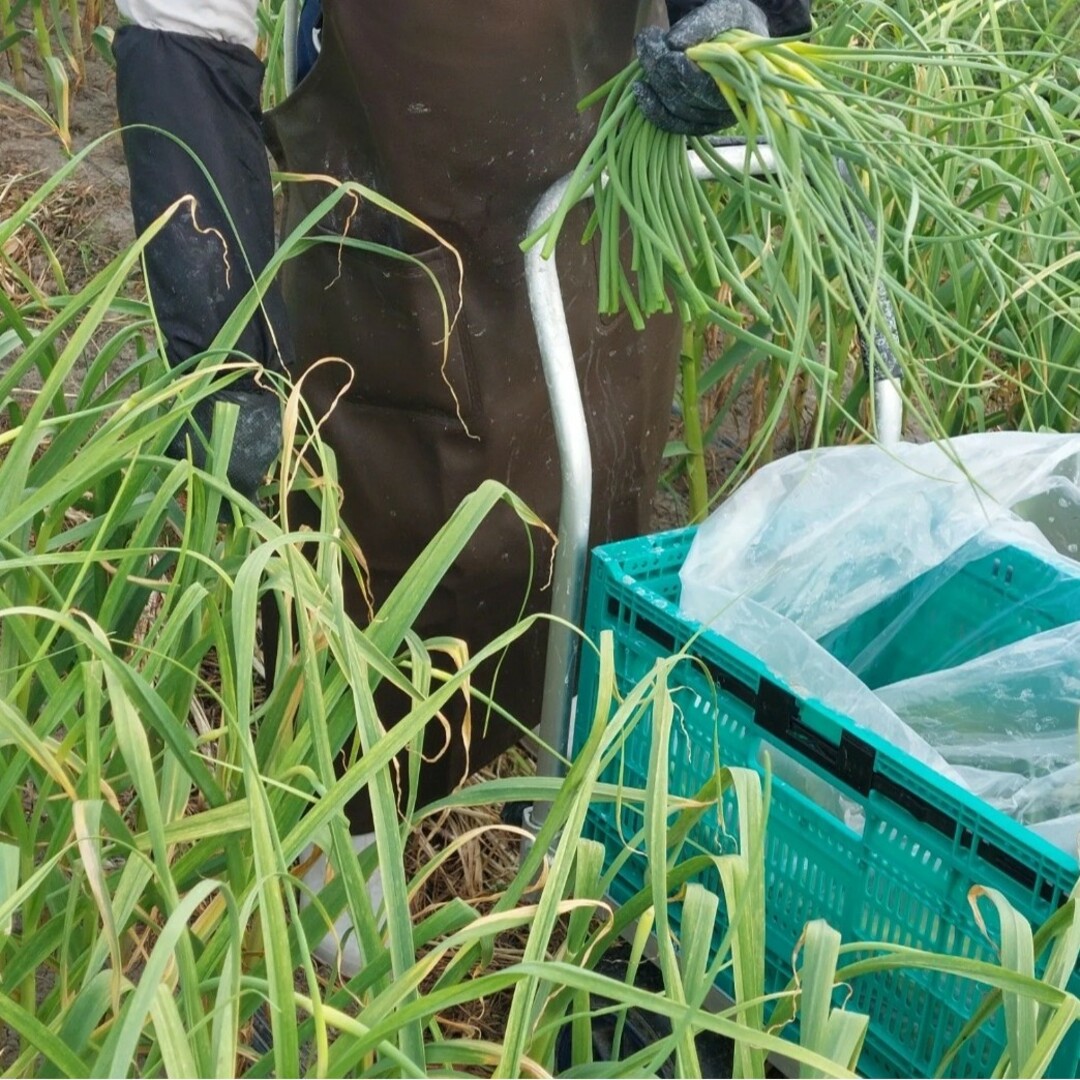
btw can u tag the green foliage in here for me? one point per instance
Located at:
(152, 805)
(155, 798)
(153, 801)
(36, 31)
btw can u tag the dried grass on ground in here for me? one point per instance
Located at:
(477, 874)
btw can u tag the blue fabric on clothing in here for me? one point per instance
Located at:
(307, 49)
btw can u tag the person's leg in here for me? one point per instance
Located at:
(308, 37)
(192, 127)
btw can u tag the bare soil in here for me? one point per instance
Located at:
(87, 219)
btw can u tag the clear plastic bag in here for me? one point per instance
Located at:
(1008, 720)
(824, 535)
(811, 673)
(835, 567)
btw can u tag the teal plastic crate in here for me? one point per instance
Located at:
(971, 604)
(904, 879)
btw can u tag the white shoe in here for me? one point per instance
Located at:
(340, 949)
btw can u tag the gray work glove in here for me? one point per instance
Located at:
(674, 93)
(256, 441)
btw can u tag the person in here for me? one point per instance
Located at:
(464, 120)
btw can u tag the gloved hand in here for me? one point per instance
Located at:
(256, 441)
(674, 93)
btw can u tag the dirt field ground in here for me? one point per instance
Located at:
(88, 220)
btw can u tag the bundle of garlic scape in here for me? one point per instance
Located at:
(843, 155)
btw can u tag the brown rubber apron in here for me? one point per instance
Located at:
(465, 115)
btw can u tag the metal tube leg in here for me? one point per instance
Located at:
(575, 459)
